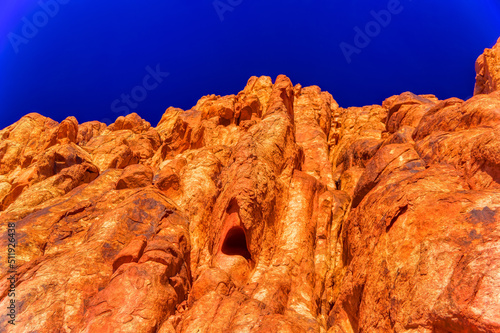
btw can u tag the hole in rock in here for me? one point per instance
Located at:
(235, 243)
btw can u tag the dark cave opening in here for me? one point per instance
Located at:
(235, 243)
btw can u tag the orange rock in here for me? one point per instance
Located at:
(88, 130)
(134, 176)
(272, 210)
(488, 70)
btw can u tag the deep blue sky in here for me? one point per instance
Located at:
(91, 52)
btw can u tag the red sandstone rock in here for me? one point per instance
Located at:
(88, 130)
(488, 70)
(273, 210)
(134, 176)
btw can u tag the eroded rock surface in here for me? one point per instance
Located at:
(488, 70)
(273, 210)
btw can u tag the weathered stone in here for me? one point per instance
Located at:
(134, 176)
(488, 70)
(273, 210)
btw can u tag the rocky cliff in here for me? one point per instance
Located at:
(273, 210)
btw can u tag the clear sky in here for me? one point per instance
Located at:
(97, 60)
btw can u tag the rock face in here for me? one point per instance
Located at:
(488, 71)
(273, 210)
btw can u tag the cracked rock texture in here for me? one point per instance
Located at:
(273, 210)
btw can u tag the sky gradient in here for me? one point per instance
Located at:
(83, 58)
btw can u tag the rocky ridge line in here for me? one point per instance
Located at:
(273, 210)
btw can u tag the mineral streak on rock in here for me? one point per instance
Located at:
(273, 210)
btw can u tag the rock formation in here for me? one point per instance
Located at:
(488, 71)
(273, 210)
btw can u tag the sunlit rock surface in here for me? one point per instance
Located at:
(488, 70)
(273, 210)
